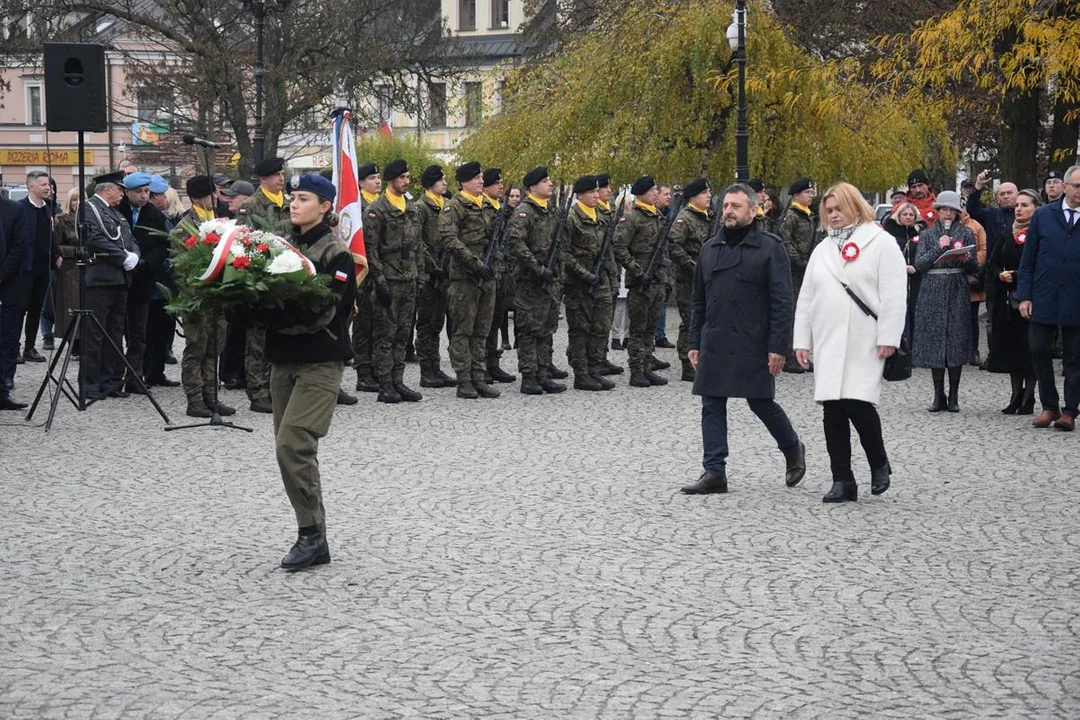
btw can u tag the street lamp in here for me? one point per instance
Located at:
(736, 36)
(261, 8)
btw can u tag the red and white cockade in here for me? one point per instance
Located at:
(850, 252)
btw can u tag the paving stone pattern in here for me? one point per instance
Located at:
(531, 557)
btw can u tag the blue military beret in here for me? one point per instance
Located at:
(314, 183)
(158, 185)
(137, 180)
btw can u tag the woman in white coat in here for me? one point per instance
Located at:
(849, 346)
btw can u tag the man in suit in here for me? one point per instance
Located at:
(38, 213)
(148, 225)
(15, 256)
(1048, 288)
(114, 255)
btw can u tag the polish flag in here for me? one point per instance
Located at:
(347, 207)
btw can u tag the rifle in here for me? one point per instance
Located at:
(716, 207)
(609, 235)
(500, 230)
(658, 260)
(560, 226)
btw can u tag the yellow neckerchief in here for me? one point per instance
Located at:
(368, 197)
(800, 206)
(698, 210)
(477, 200)
(494, 203)
(760, 211)
(646, 207)
(439, 200)
(202, 213)
(398, 201)
(276, 198)
(606, 207)
(538, 202)
(589, 212)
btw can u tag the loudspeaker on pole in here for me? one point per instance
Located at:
(75, 89)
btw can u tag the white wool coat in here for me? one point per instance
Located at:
(843, 339)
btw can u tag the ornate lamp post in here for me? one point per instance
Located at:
(736, 35)
(261, 8)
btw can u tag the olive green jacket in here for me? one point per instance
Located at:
(635, 241)
(463, 233)
(271, 217)
(531, 238)
(584, 240)
(392, 240)
(688, 234)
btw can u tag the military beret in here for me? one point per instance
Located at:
(695, 187)
(535, 176)
(801, 185)
(366, 170)
(158, 186)
(1054, 175)
(314, 183)
(115, 178)
(642, 185)
(467, 172)
(917, 176)
(394, 169)
(431, 175)
(492, 176)
(586, 183)
(756, 184)
(137, 180)
(269, 166)
(199, 186)
(603, 180)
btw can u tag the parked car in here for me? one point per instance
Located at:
(882, 211)
(13, 193)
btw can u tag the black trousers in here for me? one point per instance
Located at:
(840, 415)
(1041, 341)
(138, 310)
(231, 364)
(35, 300)
(102, 364)
(160, 328)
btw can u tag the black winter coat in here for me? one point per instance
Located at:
(741, 311)
(153, 249)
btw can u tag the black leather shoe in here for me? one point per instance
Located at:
(388, 394)
(708, 483)
(938, 404)
(501, 376)
(485, 391)
(466, 391)
(261, 406)
(344, 398)
(953, 404)
(132, 388)
(664, 343)
(366, 383)
(655, 379)
(32, 355)
(879, 480)
(529, 386)
(556, 374)
(584, 381)
(656, 363)
(163, 381)
(840, 492)
(796, 466)
(639, 380)
(6, 403)
(551, 387)
(119, 393)
(170, 358)
(407, 393)
(310, 546)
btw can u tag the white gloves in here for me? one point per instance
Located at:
(131, 260)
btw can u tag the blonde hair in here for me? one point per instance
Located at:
(895, 215)
(851, 203)
(72, 195)
(175, 207)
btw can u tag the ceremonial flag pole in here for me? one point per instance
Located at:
(347, 206)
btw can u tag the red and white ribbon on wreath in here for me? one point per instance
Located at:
(308, 265)
(221, 255)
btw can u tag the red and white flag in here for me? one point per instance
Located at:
(347, 206)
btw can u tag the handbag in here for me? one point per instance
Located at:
(898, 365)
(1014, 302)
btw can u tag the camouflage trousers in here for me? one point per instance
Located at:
(503, 282)
(536, 317)
(390, 331)
(472, 307)
(204, 340)
(431, 303)
(256, 366)
(361, 331)
(644, 310)
(588, 323)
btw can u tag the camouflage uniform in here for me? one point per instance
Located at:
(463, 234)
(635, 241)
(392, 239)
(433, 281)
(260, 212)
(797, 232)
(536, 302)
(501, 267)
(202, 347)
(588, 306)
(362, 322)
(688, 234)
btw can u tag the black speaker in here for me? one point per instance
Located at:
(75, 87)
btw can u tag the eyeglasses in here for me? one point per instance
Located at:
(1072, 185)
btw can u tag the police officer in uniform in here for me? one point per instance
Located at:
(536, 286)
(587, 289)
(688, 234)
(463, 234)
(636, 239)
(433, 281)
(370, 187)
(392, 239)
(307, 351)
(493, 197)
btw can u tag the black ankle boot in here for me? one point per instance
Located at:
(842, 491)
(954, 403)
(388, 394)
(1027, 403)
(707, 484)
(309, 549)
(1017, 396)
(939, 404)
(796, 465)
(879, 479)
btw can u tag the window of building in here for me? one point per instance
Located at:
(474, 104)
(437, 105)
(466, 14)
(35, 114)
(500, 14)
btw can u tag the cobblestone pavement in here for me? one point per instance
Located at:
(531, 557)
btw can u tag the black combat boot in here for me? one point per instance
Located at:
(707, 484)
(197, 409)
(466, 391)
(879, 479)
(654, 379)
(688, 372)
(585, 381)
(407, 393)
(499, 375)
(638, 379)
(529, 386)
(605, 384)
(552, 387)
(221, 408)
(429, 378)
(612, 368)
(259, 405)
(388, 394)
(344, 398)
(656, 363)
(366, 383)
(796, 465)
(447, 380)
(484, 390)
(309, 549)
(556, 374)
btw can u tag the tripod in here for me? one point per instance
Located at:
(64, 350)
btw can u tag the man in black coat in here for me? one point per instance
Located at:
(740, 335)
(37, 210)
(15, 256)
(148, 225)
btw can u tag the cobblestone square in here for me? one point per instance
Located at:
(531, 557)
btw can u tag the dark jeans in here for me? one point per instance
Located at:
(135, 334)
(1041, 340)
(714, 428)
(10, 316)
(840, 415)
(100, 362)
(38, 283)
(160, 329)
